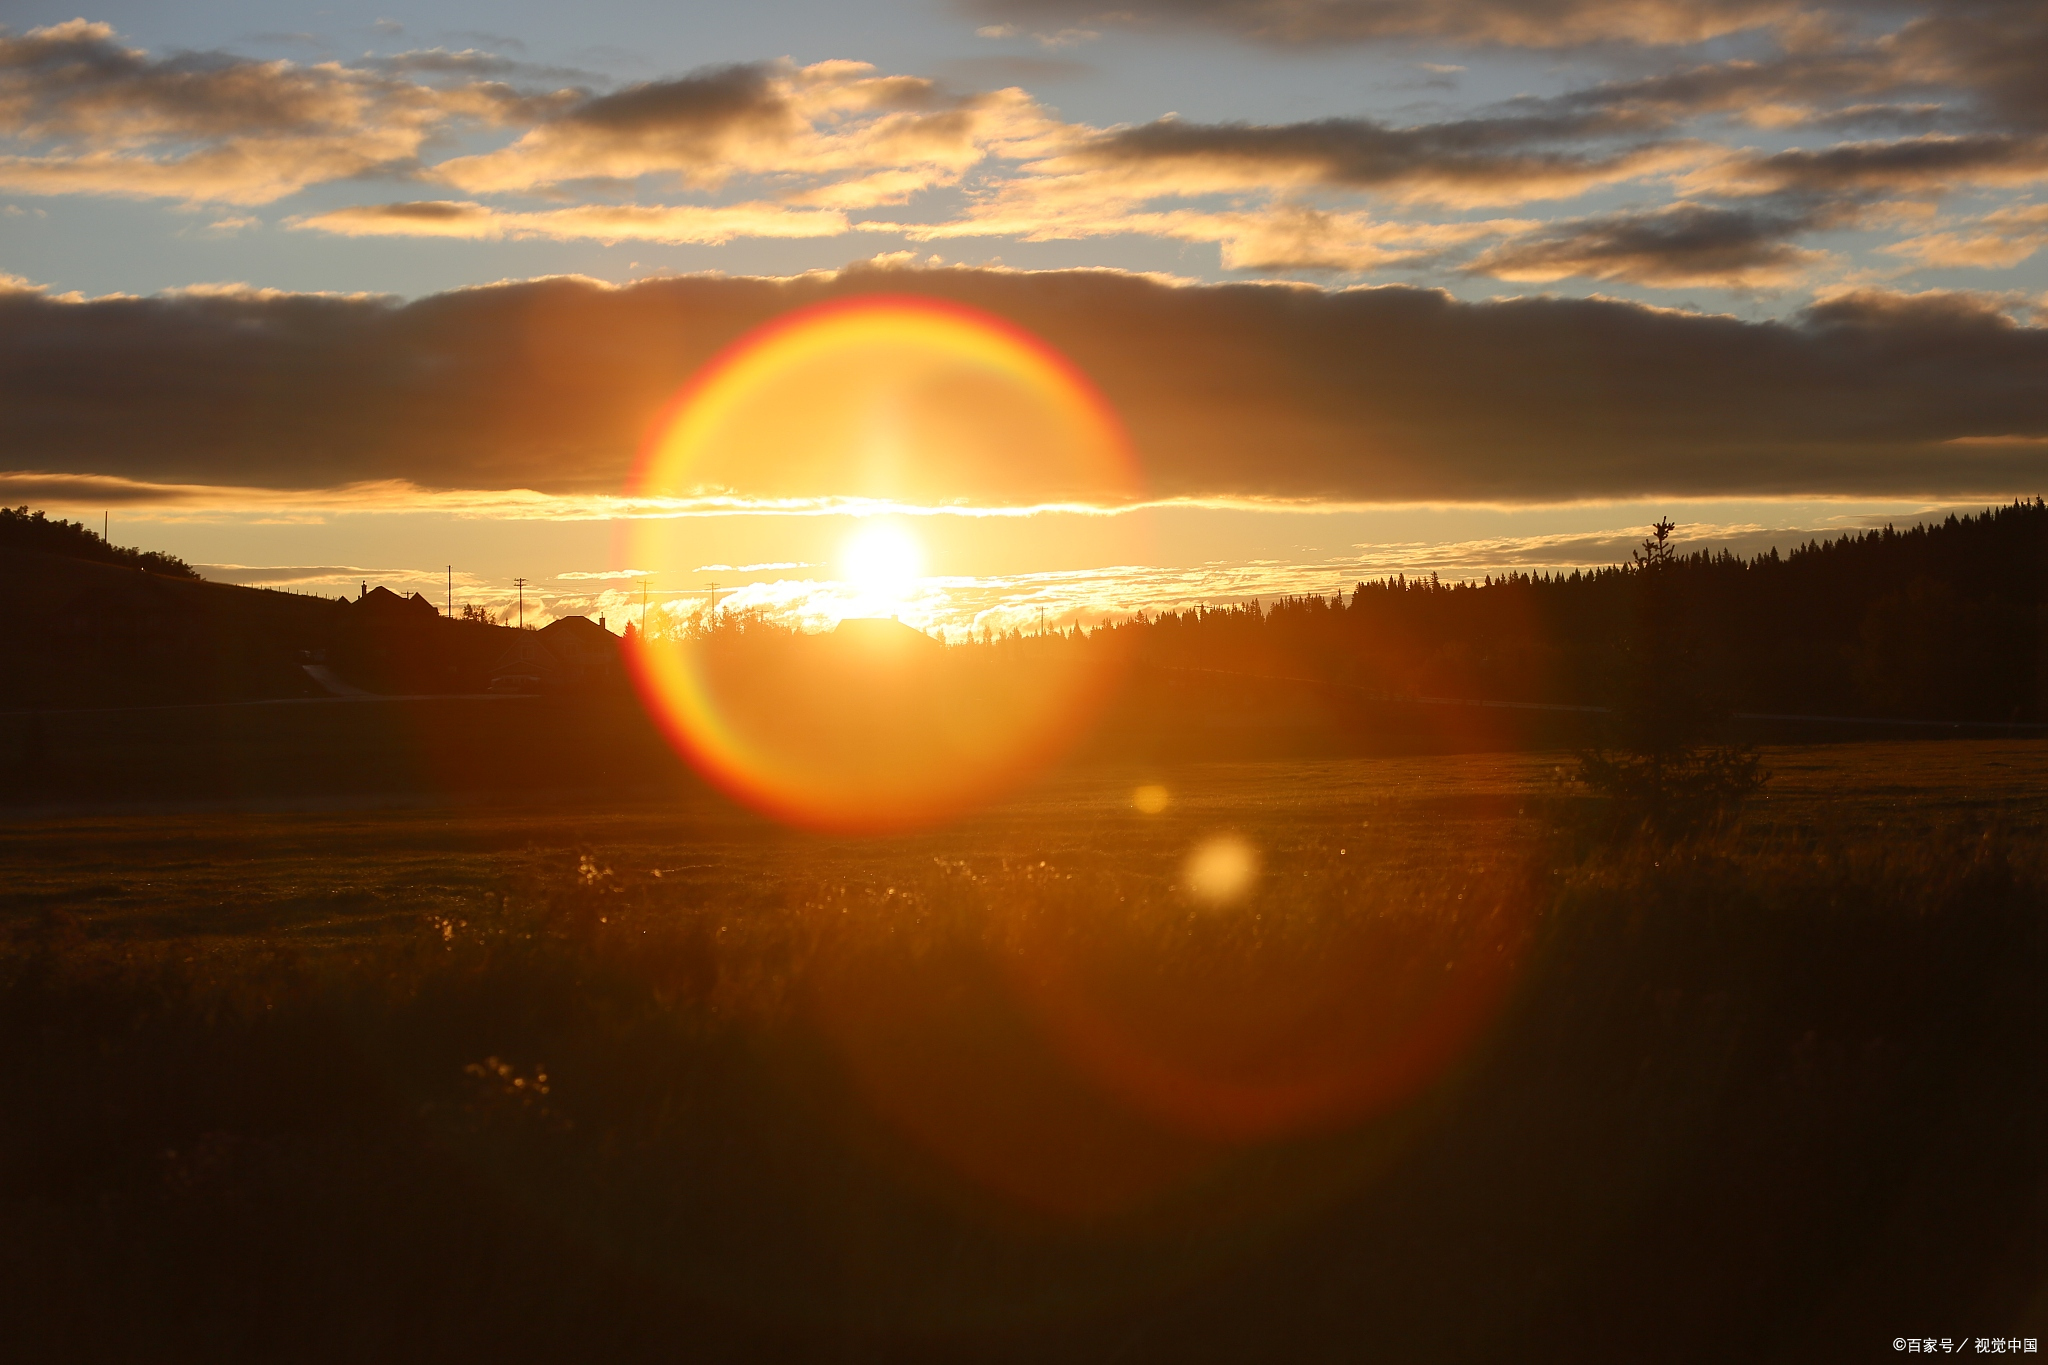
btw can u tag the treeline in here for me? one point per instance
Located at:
(1942, 621)
(21, 529)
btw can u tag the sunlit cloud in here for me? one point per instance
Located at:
(1932, 106)
(751, 568)
(1996, 241)
(774, 118)
(601, 222)
(206, 127)
(1506, 22)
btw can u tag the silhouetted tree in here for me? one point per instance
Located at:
(22, 530)
(1664, 769)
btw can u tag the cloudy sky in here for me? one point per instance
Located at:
(313, 295)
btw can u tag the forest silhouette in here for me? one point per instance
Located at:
(1943, 621)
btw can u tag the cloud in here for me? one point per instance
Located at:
(1464, 162)
(1683, 245)
(1931, 164)
(277, 575)
(1273, 392)
(602, 222)
(753, 568)
(1996, 49)
(765, 118)
(1517, 23)
(774, 149)
(108, 119)
(1998, 240)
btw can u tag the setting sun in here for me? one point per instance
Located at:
(882, 560)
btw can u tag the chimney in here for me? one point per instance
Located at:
(364, 591)
(600, 622)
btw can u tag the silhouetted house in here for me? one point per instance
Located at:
(574, 654)
(390, 643)
(883, 633)
(382, 604)
(587, 653)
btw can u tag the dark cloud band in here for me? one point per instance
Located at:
(1264, 391)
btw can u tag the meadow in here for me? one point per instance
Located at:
(1436, 1071)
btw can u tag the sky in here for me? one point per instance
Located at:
(315, 297)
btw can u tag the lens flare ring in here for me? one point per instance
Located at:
(906, 401)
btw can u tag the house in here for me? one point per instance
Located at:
(381, 605)
(883, 635)
(571, 654)
(395, 644)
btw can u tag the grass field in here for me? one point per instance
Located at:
(1448, 1080)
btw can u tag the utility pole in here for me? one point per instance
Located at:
(520, 584)
(107, 526)
(450, 611)
(643, 609)
(714, 598)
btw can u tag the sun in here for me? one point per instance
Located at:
(881, 560)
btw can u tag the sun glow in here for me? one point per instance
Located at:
(900, 401)
(882, 561)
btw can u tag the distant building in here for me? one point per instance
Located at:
(383, 605)
(571, 654)
(390, 643)
(884, 633)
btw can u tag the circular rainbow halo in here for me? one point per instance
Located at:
(875, 405)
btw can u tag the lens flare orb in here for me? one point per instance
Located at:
(860, 406)
(1221, 871)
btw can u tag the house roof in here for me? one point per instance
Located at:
(881, 631)
(381, 601)
(578, 632)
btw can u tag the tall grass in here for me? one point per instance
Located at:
(1716, 1099)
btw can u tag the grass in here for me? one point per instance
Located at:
(1449, 1083)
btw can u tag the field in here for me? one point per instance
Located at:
(1448, 1077)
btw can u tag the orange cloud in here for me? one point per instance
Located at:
(1997, 240)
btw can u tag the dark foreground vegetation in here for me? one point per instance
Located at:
(1771, 1092)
